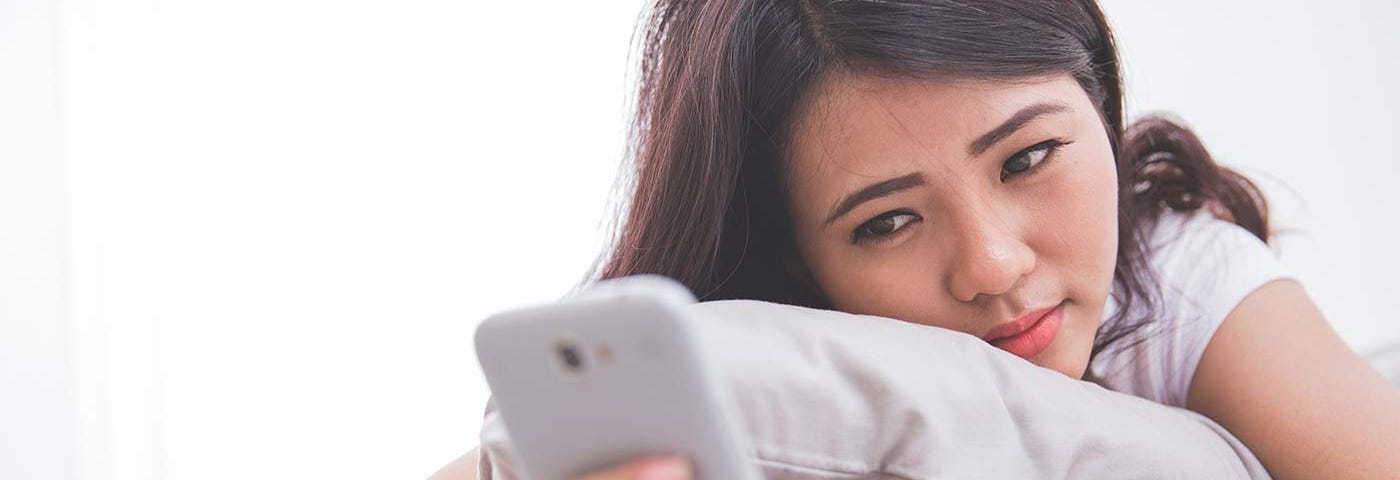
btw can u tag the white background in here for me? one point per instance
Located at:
(251, 239)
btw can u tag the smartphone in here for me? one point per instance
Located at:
(607, 376)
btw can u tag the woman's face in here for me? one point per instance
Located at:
(963, 205)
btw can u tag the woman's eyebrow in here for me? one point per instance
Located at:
(1011, 125)
(872, 192)
(976, 148)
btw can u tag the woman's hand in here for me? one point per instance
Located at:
(658, 467)
(655, 467)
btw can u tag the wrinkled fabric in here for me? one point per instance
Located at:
(832, 395)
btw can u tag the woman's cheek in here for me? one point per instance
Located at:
(1086, 203)
(1089, 217)
(902, 285)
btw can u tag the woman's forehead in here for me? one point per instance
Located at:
(855, 128)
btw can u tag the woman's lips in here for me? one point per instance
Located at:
(1029, 335)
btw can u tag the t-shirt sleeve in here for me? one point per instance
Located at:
(1204, 268)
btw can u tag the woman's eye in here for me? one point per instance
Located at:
(883, 226)
(1030, 157)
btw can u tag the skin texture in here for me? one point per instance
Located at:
(973, 250)
(661, 467)
(1278, 377)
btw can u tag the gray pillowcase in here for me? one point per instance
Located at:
(832, 395)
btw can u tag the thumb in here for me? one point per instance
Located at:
(657, 467)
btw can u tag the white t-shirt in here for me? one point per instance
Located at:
(1204, 268)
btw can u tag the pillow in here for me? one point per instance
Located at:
(832, 395)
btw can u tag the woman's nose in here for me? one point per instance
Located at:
(990, 260)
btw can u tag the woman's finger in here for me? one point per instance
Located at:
(661, 467)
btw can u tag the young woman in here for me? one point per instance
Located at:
(965, 164)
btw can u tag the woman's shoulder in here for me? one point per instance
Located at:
(1199, 268)
(1170, 228)
(1198, 257)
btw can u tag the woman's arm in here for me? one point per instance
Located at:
(1277, 376)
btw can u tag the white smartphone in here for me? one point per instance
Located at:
(607, 376)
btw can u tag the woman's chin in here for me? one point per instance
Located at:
(1069, 352)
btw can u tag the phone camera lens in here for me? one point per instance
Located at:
(571, 357)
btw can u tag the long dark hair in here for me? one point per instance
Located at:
(719, 79)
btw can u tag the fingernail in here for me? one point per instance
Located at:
(665, 468)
